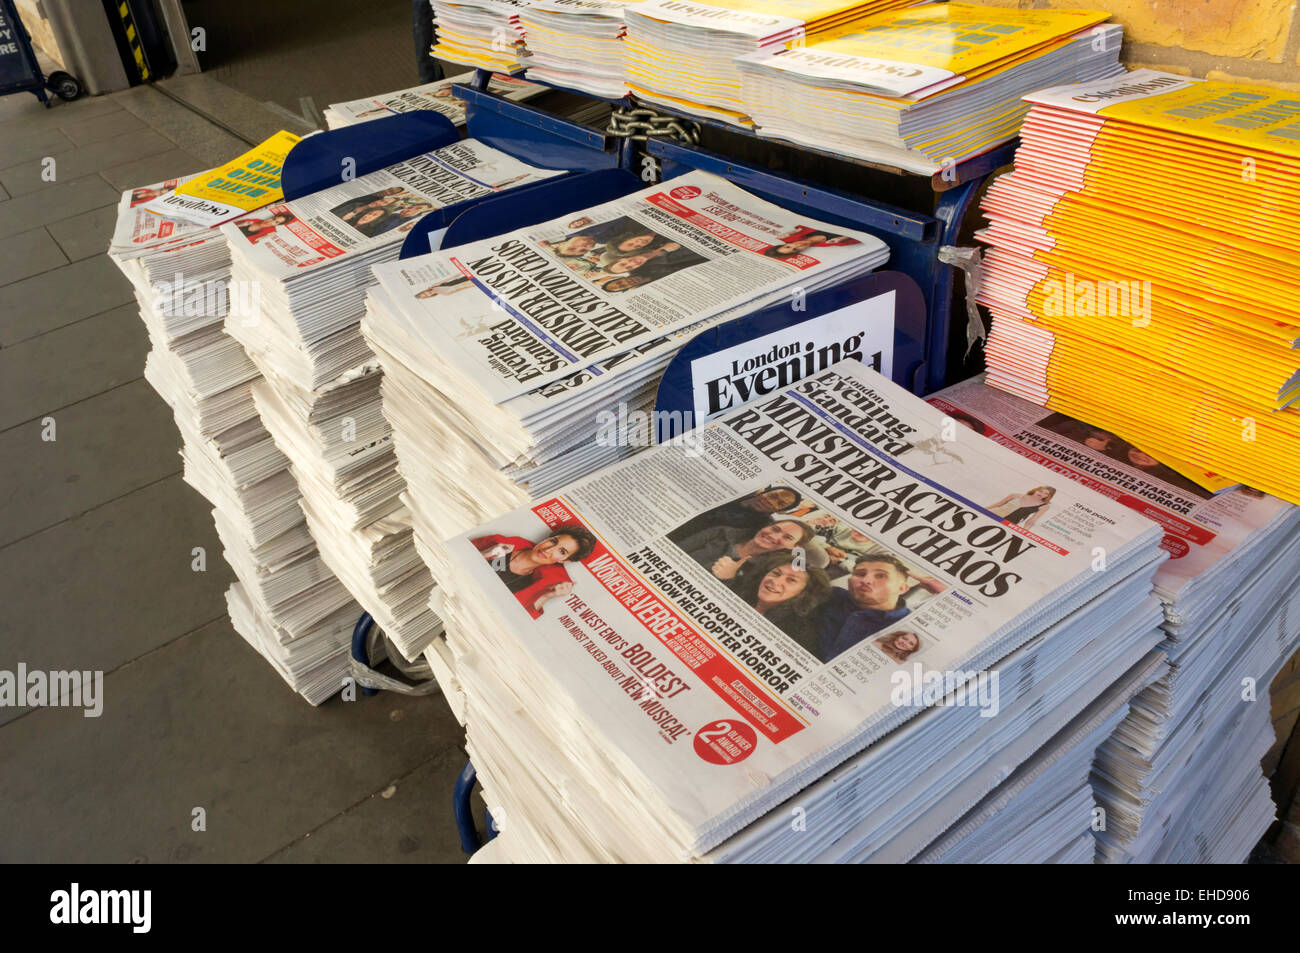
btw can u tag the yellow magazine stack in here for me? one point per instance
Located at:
(682, 54)
(577, 44)
(1144, 273)
(926, 86)
(482, 33)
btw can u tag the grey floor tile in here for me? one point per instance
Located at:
(42, 374)
(107, 446)
(20, 113)
(3, 193)
(59, 201)
(107, 587)
(25, 254)
(86, 234)
(408, 821)
(34, 174)
(59, 297)
(190, 131)
(231, 108)
(95, 128)
(203, 722)
(155, 168)
(32, 141)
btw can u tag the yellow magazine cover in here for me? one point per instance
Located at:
(243, 184)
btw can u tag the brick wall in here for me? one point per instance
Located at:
(1241, 40)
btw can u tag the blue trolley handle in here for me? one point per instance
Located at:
(470, 841)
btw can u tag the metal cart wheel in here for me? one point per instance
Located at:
(64, 85)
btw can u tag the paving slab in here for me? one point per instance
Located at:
(151, 169)
(32, 141)
(43, 374)
(58, 201)
(408, 821)
(35, 174)
(95, 128)
(25, 254)
(86, 234)
(96, 591)
(190, 131)
(60, 297)
(201, 723)
(23, 112)
(106, 446)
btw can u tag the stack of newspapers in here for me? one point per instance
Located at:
(286, 604)
(482, 33)
(439, 97)
(1046, 812)
(1168, 316)
(656, 669)
(309, 260)
(683, 54)
(577, 44)
(1224, 592)
(518, 363)
(923, 87)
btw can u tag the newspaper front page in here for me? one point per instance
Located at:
(139, 228)
(1200, 527)
(439, 97)
(288, 240)
(529, 307)
(711, 644)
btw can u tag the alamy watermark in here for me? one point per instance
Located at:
(33, 688)
(1085, 298)
(949, 689)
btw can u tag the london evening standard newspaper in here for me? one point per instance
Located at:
(509, 314)
(439, 97)
(1201, 528)
(375, 209)
(691, 670)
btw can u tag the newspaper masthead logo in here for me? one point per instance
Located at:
(684, 192)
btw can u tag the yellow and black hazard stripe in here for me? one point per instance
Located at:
(133, 40)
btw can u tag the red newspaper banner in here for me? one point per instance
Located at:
(676, 633)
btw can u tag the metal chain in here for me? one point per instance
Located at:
(639, 124)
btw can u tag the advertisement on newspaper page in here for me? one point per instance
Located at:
(376, 209)
(750, 605)
(1200, 527)
(530, 307)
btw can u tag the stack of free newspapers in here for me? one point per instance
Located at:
(482, 33)
(310, 261)
(439, 97)
(577, 44)
(500, 355)
(1224, 592)
(927, 86)
(675, 679)
(684, 55)
(286, 604)
(1168, 316)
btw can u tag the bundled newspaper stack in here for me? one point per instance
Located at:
(482, 33)
(577, 44)
(656, 669)
(1045, 812)
(286, 604)
(438, 96)
(1166, 315)
(923, 87)
(1223, 591)
(684, 55)
(310, 260)
(519, 363)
